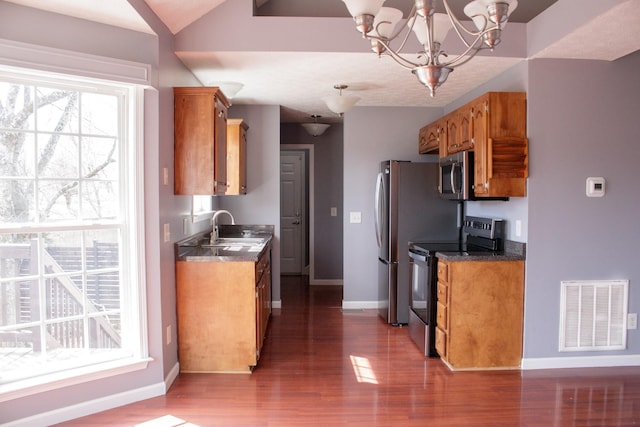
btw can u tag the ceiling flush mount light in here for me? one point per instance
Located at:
(315, 128)
(230, 89)
(340, 104)
(377, 24)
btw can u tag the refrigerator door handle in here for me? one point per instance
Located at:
(378, 208)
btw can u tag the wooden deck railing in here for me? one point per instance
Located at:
(64, 299)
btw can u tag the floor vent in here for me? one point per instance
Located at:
(593, 315)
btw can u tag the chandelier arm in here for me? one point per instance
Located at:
(458, 26)
(397, 57)
(461, 59)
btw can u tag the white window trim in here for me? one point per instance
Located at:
(198, 215)
(20, 55)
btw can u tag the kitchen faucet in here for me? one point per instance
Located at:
(214, 223)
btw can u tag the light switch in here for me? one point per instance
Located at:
(167, 233)
(165, 176)
(355, 217)
(334, 211)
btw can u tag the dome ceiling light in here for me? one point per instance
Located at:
(340, 104)
(314, 128)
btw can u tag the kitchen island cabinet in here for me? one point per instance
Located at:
(480, 313)
(223, 312)
(200, 141)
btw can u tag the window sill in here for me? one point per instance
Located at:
(41, 384)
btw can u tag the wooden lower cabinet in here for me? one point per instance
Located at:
(223, 312)
(480, 313)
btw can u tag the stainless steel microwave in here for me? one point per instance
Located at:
(456, 176)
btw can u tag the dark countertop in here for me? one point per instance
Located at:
(195, 248)
(514, 251)
(479, 256)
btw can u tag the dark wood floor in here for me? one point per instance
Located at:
(323, 367)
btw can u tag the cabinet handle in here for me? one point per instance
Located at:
(220, 113)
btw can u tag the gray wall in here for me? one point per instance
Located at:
(261, 204)
(583, 121)
(328, 191)
(371, 135)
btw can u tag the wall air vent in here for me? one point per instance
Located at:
(593, 315)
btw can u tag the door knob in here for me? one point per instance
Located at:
(296, 222)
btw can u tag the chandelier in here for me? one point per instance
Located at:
(432, 65)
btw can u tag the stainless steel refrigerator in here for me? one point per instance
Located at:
(408, 208)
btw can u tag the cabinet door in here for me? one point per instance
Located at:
(428, 139)
(464, 123)
(236, 157)
(220, 168)
(479, 135)
(200, 129)
(453, 134)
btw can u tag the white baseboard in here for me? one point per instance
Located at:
(91, 407)
(173, 374)
(325, 282)
(581, 362)
(355, 305)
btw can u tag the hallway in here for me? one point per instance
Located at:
(323, 367)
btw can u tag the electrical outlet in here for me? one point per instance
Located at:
(518, 228)
(334, 211)
(168, 334)
(355, 217)
(632, 321)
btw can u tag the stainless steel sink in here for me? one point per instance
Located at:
(235, 242)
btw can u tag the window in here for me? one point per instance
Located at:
(201, 208)
(71, 293)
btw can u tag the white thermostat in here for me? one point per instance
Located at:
(595, 186)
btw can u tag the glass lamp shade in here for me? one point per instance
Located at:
(478, 11)
(385, 22)
(363, 7)
(441, 27)
(340, 104)
(315, 129)
(230, 89)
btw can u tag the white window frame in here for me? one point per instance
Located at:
(133, 78)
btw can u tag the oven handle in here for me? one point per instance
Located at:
(418, 256)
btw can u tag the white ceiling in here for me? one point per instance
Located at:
(282, 78)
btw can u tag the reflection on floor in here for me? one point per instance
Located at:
(321, 366)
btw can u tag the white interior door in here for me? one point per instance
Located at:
(292, 219)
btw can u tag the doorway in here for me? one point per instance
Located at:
(294, 212)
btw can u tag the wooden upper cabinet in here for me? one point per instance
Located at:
(433, 138)
(494, 127)
(200, 140)
(459, 130)
(500, 144)
(236, 156)
(428, 141)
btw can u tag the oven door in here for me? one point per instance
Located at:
(422, 313)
